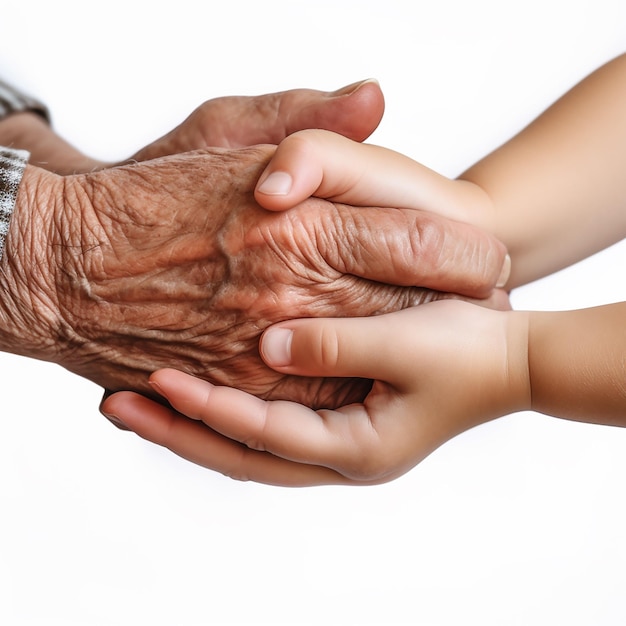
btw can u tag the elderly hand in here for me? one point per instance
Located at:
(229, 122)
(171, 262)
(239, 121)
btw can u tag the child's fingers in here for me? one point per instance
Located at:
(194, 441)
(295, 173)
(372, 347)
(246, 438)
(324, 164)
(347, 440)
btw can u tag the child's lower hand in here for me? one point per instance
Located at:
(438, 370)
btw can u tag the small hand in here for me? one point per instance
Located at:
(438, 370)
(326, 165)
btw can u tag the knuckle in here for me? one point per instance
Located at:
(427, 238)
(325, 348)
(299, 144)
(369, 467)
(261, 432)
(254, 443)
(239, 470)
(459, 256)
(307, 135)
(369, 458)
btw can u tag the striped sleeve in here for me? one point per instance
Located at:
(12, 165)
(14, 101)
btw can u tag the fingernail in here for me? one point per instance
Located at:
(505, 273)
(276, 346)
(155, 386)
(116, 421)
(349, 89)
(276, 184)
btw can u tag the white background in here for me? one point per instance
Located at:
(517, 522)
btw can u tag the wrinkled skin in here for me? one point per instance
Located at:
(120, 272)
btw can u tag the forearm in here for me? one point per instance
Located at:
(25, 125)
(30, 131)
(577, 363)
(557, 191)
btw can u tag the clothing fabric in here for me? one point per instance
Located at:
(12, 161)
(12, 165)
(14, 101)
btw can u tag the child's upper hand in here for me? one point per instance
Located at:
(439, 369)
(327, 165)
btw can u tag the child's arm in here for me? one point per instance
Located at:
(553, 194)
(577, 363)
(439, 369)
(559, 186)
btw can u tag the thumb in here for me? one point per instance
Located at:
(316, 162)
(366, 347)
(238, 121)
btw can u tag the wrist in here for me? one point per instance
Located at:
(576, 361)
(474, 205)
(29, 319)
(518, 381)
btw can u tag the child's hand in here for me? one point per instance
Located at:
(439, 369)
(324, 164)
(327, 165)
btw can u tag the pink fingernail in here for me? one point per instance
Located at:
(505, 273)
(156, 387)
(350, 89)
(116, 421)
(276, 184)
(276, 346)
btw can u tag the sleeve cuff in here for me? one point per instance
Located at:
(14, 101)
(12, 166)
